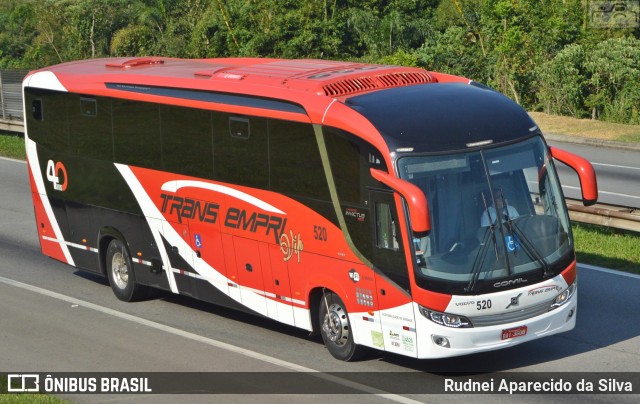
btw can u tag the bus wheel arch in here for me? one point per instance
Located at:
(117, 265)
(106, 235)
(335, 327)
(315, 298)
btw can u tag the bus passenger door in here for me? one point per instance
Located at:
(392, 276)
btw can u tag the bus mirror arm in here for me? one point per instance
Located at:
(416, 200)
(585, 171)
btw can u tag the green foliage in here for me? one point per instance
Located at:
(562, 82)
(133, 40)
(614, 68)
(541, 53)
(455, 51)
(600, 80)
(16, 32)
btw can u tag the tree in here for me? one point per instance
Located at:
(614, 69)
(17, 33)
(455, 51)
(562, 82)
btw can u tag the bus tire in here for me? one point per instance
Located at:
(335, 329)
(120, 273)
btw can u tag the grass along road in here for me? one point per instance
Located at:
(586, 128)
(12, 145)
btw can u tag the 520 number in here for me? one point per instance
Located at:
(320, 233)
(483, 304)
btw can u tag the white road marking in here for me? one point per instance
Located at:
(608, 271)
(615, 166)
(604, 192)
(209, 341)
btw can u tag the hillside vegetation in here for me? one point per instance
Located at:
(556, 56)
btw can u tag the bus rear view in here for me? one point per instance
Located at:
(379, 206)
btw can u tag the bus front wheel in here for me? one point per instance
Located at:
(336, 329)
(120, 273)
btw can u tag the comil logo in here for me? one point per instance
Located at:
(57, 175)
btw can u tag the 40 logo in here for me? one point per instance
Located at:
(57, 175)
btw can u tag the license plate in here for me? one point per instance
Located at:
(514, 332)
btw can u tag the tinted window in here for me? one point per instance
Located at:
(388, 253)
(187, 141)
(90, 127)
(351, 159)
(136, 133)
(344, 157)
(52, 129)
(386, 229)
(242, 160)
(296, 166)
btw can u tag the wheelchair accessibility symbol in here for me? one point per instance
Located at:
(512, 242)
(198, 241)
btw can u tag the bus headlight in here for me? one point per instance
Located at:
(446, 319)
(564, 297)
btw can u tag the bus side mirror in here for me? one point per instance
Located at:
(585, 171)
(416, 200)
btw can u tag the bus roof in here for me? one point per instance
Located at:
(313, 84)
(321, 77)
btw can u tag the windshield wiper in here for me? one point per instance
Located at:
(478, 262)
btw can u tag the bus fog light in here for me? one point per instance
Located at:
(564, 297)
(571, 313)
(440, 341)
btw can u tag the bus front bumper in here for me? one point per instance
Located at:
(465, 341)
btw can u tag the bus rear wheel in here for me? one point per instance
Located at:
(335, 329)
(120, 273)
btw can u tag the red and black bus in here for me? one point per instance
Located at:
(387, 207)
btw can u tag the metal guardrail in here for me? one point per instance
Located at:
(12, 125)
(11, 114)
(617, 217)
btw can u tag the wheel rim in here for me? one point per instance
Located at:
(336, 325)
(120, 270)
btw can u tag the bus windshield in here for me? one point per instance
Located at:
(498, 218)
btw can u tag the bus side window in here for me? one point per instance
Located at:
(239, 128)
(295, 164)
(241, 150)
(386, 236)
(187, 141)
(48, 123)
(136, 128)
(90, 127)
(388, 252)
(88, 107)
(36, 109)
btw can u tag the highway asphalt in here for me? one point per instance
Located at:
(617, 169)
